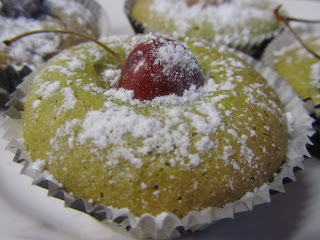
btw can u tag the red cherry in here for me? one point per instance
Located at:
(205, 3)
(160, 67)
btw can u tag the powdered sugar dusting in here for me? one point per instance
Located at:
(66, 130)
(112, 76)
(204, 144)
(69, 100)
(48, 88)
(60, 69)
(75, 63)
(36, 103)
(109, 127)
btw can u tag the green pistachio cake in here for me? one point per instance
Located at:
(175, 154)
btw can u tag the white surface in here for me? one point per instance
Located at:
(27, 213)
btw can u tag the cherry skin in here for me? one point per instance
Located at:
(205, 3)
(159, 67)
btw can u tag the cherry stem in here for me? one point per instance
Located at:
(116, 55)
(286, 21)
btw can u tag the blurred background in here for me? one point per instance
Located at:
(27, 213)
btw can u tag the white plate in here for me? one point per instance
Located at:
(27, 213)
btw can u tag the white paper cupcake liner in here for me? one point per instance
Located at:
(253, 47)
(167, 225)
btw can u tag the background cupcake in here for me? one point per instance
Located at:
(245, 25)
(20, 16)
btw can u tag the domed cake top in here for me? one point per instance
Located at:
(80, 78)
